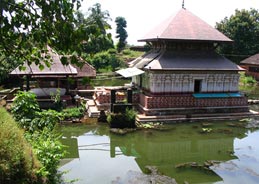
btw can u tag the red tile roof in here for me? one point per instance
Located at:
(253, 60)
(185, 26)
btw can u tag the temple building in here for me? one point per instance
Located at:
(183, 74)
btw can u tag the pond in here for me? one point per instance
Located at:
(98, 156)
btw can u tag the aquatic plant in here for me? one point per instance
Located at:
(206, 130)
(194, 165)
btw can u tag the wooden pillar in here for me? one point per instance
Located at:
(28, 77)
(21, 83)
(113, 98)
(129, 95)
(67, 85)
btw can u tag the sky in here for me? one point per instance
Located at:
(143, 15)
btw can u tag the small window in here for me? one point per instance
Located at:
(197, 86)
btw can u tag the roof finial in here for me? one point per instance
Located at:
(183, 5)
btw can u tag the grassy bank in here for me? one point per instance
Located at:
(18, 164)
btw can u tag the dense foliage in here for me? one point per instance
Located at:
(18, 163)
(28, 25)
(27, 113)
(25, 106)
(74, 112)
(39, 126)
(119, 120)
(96, 24)
(122, 34)
(106, 61)
(49, 151)
(246, 80)
(243, 29)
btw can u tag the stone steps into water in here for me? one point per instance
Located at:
(92, 110)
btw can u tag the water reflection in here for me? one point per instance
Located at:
(245, 169)
(167, 149)
(105, 157)
(94, 164)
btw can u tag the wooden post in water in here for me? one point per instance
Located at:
(113, 98)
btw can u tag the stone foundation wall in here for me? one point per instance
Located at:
(187, 101)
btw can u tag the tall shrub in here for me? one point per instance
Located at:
(18, 163)
(49, 151)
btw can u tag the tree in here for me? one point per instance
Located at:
(107, 61)
(121, 33)
(95, 26)
(99, 18)
(243, 28)
(27, 26)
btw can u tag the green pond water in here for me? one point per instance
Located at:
(97, 156)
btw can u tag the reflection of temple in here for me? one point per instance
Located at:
(167, 151)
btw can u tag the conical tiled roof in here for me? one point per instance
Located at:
(185, 26)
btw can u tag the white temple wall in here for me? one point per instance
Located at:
(175, 83)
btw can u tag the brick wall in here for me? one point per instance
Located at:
(189, 101)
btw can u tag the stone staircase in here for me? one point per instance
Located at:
(92, 109)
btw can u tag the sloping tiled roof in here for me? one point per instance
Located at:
(86, 70)
(57, 68)
(253, 60)
(185, 26)
(190, 60)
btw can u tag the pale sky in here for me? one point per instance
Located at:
(143, 15)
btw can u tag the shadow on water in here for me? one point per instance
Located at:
(97, 156)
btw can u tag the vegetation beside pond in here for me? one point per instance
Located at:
(30, 148)
(18, 163)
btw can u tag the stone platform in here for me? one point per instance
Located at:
(196, 117)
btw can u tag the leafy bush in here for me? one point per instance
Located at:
(73, 112)
(49, 151)
(25, 106)
(27, 113)
(246, 80)
(39, 126)
(130, 114)
(106, 61)
(57, 100)
(45, 119)
(120, 120)
(18, 163)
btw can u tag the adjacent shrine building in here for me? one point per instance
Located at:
(183, 74)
